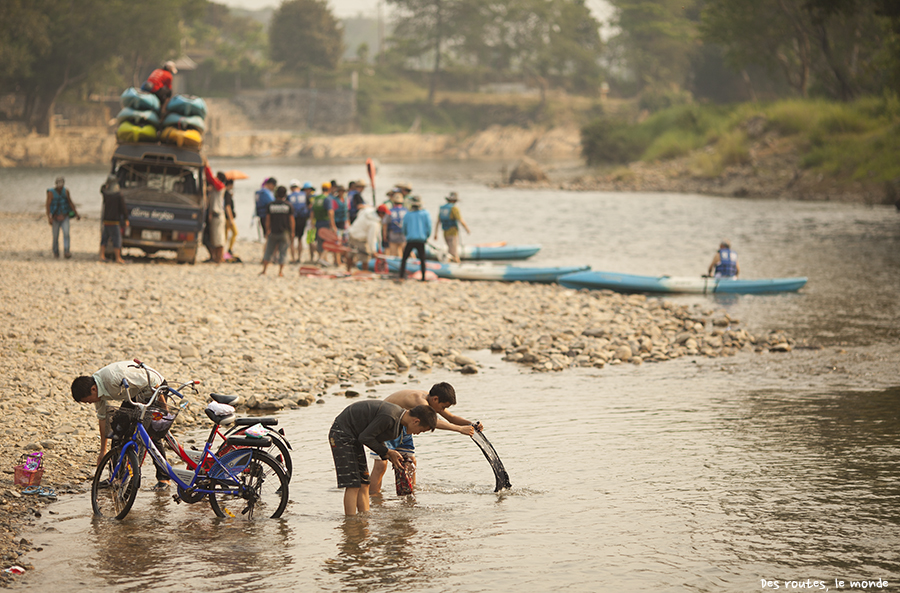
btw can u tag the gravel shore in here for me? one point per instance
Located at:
(278, 342)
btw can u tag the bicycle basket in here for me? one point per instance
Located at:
(123, 421)
(158, 420)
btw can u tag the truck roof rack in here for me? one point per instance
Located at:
(158, 153)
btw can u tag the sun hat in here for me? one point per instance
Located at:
(415, 201)
(404, 185)
(295, 183)
(360, 183)
(453, 197)
(326, 185)
(170, 66)
(308, 185)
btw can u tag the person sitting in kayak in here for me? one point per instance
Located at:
(725, 263)
(160, 83)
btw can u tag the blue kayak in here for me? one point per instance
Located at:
(181, 122)
(486, 252)
(674, 284)
(187, 105)
(494, 272)
(138, 116)
(139, 100)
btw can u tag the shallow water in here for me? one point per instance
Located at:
(689, 475)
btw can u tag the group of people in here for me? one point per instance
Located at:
(385, 427)
(338, 219)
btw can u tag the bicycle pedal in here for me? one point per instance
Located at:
(176, 498)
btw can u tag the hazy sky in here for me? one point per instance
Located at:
(347, 8)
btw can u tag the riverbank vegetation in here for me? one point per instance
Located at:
(851, 141)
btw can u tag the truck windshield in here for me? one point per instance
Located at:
(160, 178)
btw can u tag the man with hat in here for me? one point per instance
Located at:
(355, 197)
(416, 228)
(113, 217)
(322, 216)
(393, 228)
(59, 209)
(449, 220)
(160, 83)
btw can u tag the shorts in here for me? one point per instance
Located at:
(402, 444)
(111, 232)
(396, 238)
(300, 225)
(360, 246)
(350, 462)
(280, 241)
(452, 244)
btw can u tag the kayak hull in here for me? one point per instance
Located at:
(490, 252)
(498, 273)
(630, 283)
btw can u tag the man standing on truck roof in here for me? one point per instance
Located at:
(160, 83)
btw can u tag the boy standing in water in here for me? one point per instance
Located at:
(370, 423)
(441, 397)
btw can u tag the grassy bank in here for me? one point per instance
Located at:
(846, 142)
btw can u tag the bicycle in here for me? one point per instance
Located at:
(280, 448)
(241, 483)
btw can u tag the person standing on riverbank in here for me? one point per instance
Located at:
(215, 217)
(60, 208)
(449, 219)
(228, 200)
(439, 398)
(394, 237)
(416, 229)
(355, 197)
(725, 263)
(322, 217)
(364, 236)
(279, 230)
(370, 423)
(264, 196)
(104, 388)
(299, 199)
(114, 217)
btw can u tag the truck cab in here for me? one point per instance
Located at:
(165, 196)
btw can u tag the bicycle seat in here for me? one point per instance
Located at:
(264, 420)
(224, 399)
(222, 419)
(248, 442)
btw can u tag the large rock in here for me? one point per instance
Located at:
(527, 170)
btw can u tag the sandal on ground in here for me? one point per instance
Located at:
(32, 490)
(48, 494)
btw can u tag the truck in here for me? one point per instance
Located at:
(164, 188)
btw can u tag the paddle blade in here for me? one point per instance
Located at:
(500, 475)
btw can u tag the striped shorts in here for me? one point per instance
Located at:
(349, 459)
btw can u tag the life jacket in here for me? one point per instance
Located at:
(320, 207)
(298, 201)
(727, 265)
(264, 197)
(397, 214)
(444, 215)
(340, 212)
(59, 204)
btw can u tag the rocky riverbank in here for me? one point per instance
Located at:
(280, 342)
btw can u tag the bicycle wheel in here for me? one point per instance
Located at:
(278, 449)
(112, 495)
(265, 488)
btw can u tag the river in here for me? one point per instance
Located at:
(689, 475)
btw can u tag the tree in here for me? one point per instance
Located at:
(538, 39)
(305, 35)
(76, 39)
(656, 40)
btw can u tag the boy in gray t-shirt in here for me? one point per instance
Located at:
(370, 423)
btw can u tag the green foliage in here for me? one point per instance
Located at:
(304, 34)
(672, 144)
(608, 140)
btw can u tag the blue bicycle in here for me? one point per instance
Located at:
(246, 482)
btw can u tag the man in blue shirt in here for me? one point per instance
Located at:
(299, 199)
(264, 196)
(725, 263)
(416, 229)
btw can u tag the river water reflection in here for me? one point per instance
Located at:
(688, 475)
